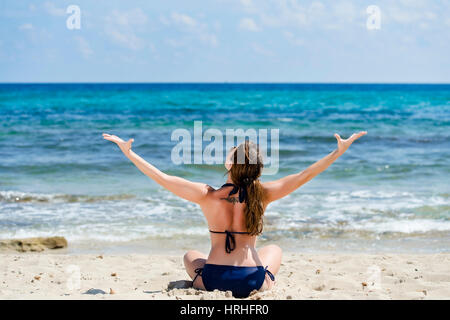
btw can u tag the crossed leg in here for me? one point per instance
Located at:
(194, 259)
(270, 256)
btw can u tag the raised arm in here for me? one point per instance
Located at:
(280, 188)
(191, 191)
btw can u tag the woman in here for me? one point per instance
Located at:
(234, 214)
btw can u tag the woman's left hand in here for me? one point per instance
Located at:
(343, 144)
(125, 146)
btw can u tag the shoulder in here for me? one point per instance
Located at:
(213, 193)
(210, 196)
(209, 191)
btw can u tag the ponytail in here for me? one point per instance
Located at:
(246, 176)
(254, 210)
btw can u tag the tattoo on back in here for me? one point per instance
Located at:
(232, 200)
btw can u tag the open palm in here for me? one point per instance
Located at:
(343, 144)
(125, 146)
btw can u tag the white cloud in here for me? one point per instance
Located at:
(345, 12)
(26, 26)
(53, 10)
(183, 19)
(175, 42)
(414, 3)
(430, 15)
(338, 15)
(293, 39)
(402, 16)
(129, 18)
(335, 14)
(247, 3)
(191, 29)
(285, 13)
(83, 47)
(121, 28)
(126, 39)
(261, 50)
(164, 20)
(209, 38)
(248, 24)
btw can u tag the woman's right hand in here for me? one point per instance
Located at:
(125, 146)
(343, 144)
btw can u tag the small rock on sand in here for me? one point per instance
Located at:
(33, 244)
(320, 288)
(180, 284)
(94, 291)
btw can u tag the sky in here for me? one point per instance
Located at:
(226, 41)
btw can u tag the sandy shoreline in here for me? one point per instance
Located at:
(302, 276)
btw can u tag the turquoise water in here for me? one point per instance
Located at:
(389, 192)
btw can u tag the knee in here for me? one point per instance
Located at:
(276, 249)
(188, 257)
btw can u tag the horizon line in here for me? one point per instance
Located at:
(225, 82)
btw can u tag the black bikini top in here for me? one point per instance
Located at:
(241, 189)
(230, 241)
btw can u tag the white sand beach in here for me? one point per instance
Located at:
(47, 275)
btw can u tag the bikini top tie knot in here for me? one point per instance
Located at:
(230, 241)
(242, 189)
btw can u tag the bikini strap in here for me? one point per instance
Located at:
(198, 272)
(271, 276)
(230, 241)
(228, 185)
(241, 189)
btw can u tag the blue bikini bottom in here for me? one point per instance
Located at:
(239, 280)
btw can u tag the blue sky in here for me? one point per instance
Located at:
(225, 40)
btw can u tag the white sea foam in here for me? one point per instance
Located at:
(285, 119)
(403, 226)
(164, 215)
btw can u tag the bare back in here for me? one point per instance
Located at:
(224, 212)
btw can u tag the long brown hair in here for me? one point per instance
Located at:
(247, 166)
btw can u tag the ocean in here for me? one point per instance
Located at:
(389, 192)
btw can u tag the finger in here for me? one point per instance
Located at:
(338, 137)
(359, 134)
(106, 134)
